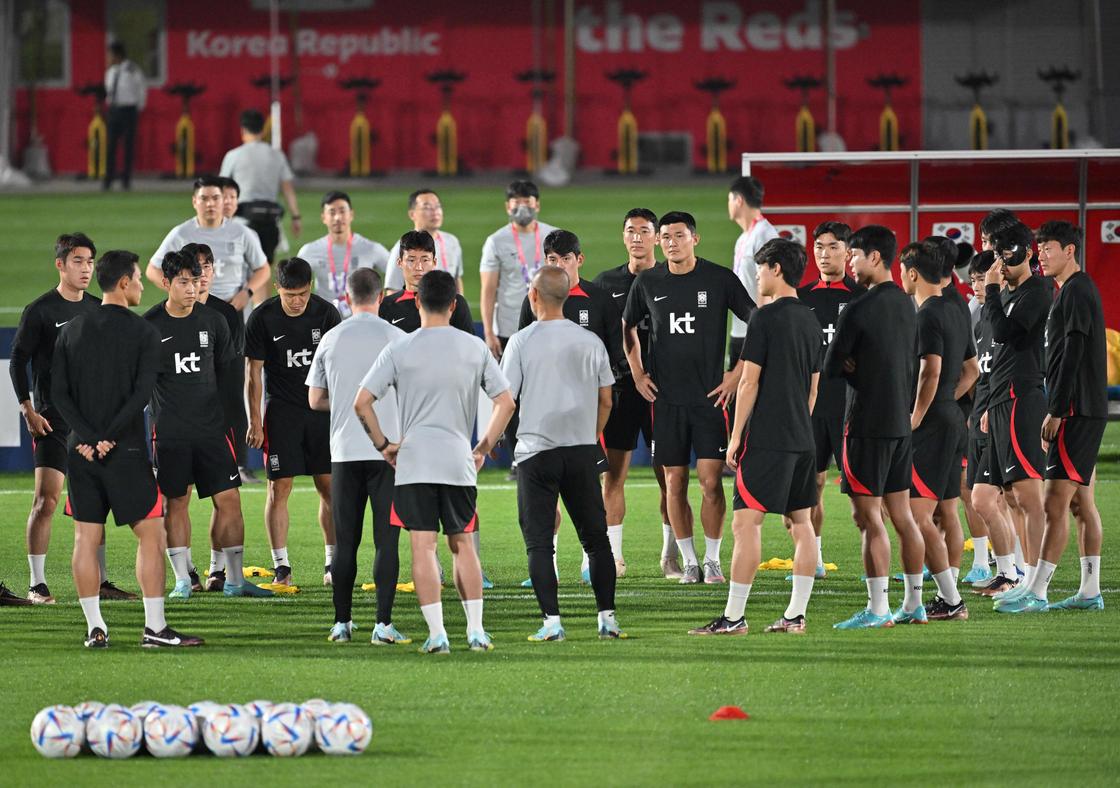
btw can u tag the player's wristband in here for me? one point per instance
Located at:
(383, 445)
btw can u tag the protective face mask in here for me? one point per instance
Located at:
(523, 215)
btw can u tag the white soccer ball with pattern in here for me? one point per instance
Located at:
(287, 730)
(57, 732)
(170, 731)
(231, 731)
(114, 732)
(259, 707)
(345, 729)
(316, 706)
(87, 709)
(143, 709)
(202, 709)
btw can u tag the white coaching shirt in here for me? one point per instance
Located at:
(236, 248)
(364, 253)
(744, 266)
(516, 254)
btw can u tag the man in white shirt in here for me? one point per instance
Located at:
(744, 207)
(126, 91)
(426, 213)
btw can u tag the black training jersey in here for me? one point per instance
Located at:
(590, 307)
(982, 332)
(1077, 386)
(954, 297)
(688, 326)
(34, 342)
(827, 300)
(878, 332)
(235, 322)
(942, 332)
(400, 309)
(195, 353)
(1018, 320)
(784, 338)
(102, 375)
(617, 282)
(287, 344)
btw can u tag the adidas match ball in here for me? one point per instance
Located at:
(202, 709)
(170, 732)
(343, 730)
(287, 730)
(259, 708)
(143, 709)
(87, 709)
(315, 706)
(231, 731)
(114, 732)
(57, 732)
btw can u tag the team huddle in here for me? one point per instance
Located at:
(367, 376)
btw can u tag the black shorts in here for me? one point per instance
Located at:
(209, 463)
(936, 473)
(775, 481)
(828, 435)
(734, 350)
(680, 430)
(632, 414)
(297, 441)
(1073, 454)
(424, 507)
(875, 466)
(50, 450)
(1015, 436)
(988, 469)
(269, 234)
(977, 470)
(122, 484)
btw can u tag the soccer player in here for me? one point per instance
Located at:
(563, 378)
(1076, 415)
(237, 248)
(280, 340)
(631, 414)
(827, 297)
(359, 472)
(426, 213)
(686, 302)
(947, 369)
(775, 463)
(417, 255)
(102, 373)
(333, 256)
(744, 208)
(873, 350)
(437, 372)
(190, 436)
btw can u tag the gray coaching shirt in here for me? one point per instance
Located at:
(364, 253)
(505, 251)
(745, 267)
(258, 168)
(449, 258)
(344, 356)
(437, 373)
(557, 369)
(237, 250)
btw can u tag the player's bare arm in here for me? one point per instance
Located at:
(928, 376)
(745, 397)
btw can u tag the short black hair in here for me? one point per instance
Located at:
(230, 183)
(199, 250)
(561, 242)
(1017, 236)
(293, 273)
(945, 250)
(875, 238)
(840, 231)
(1065, 233)
(640, 213)
(412, 198)
(113, 266)
(437, 291)
(206, 181)
(522, 189)
(790, 255)
(175, 263)
(68, 242)
(331, 196)
(364, 284)
(417, 240)
(678, 217)
(750, 189)
(252, 121)
(118, 49)
(997, 220)
(965, 250)
(925, 258)
(981, 262)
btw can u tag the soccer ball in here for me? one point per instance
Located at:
(203, 709)
(57, 732)
(87, 709)
(170, 732)
(315, 706)
(260, 708)
(231, 731)
(343, 730)
(143, 709)
(114, 732)
(287, 730)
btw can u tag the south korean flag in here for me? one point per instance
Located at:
(792, 232)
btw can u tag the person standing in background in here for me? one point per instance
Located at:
(125, 93)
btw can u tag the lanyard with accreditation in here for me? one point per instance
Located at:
(338, 285)
(525, 274)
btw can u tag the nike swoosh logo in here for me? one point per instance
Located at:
(175, 641)
(60, 325)
(617, 295)
(987, 473)
(722, 449)
(166, 339)
(1009, 470)
(660, 298)
(396, 320)
(232, 478)
(277, 339)
(1051, 467)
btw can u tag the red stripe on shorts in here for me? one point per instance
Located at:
(1067, 463)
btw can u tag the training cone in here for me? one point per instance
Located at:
(729, 713)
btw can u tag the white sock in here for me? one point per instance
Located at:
(1090, 577)
(328, 550)
(711, 549)
(473, 609)
(153, 614)
(217, 560)
(101, 563)
(980, 551)
(555, 553)
(668, 541)
(877, 596)
(1028, 574)
(91, 609)
(1043, 573)
(1005, 566)
(38, 564)
(433, 615)
(180, 563)
(820, 555)
(606, 617)
(946, 587)
(552, 621)
(585, 562)
(737, 594)
(234, 557)
(799, 597)
(280, 557)
(912, 598)
(688, 552)
(955, 571)
(1020, 559)
(614, 535)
